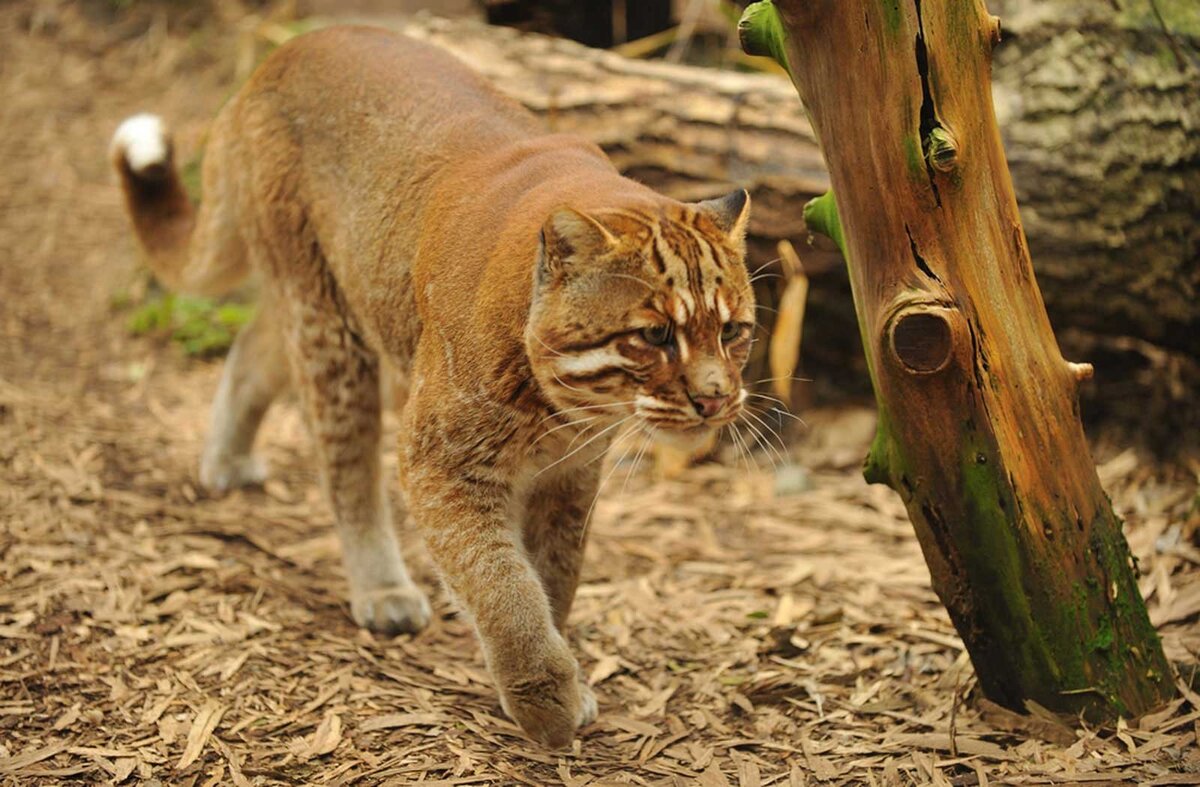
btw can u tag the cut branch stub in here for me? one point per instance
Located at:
(1080, 371)
(994, 31)
(821, 216)
(760, 32)
(922, 338)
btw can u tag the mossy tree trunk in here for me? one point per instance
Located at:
(979, 430)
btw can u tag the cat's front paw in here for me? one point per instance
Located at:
(401, 609)
(549, 701)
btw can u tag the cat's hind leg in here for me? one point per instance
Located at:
(338, 379)
(255, 372)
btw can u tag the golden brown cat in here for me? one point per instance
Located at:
(537, 303)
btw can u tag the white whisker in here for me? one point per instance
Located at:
(749, 451)
(559, 380)
(543, 343)
(766, 444)
(584, 445)
(772, 432)
(600, 488)
(557, 413)
(765, 264)
(786, 414)
(551, 431)
(772, 398)
(741, 445)
(645, 284)
(637, 459)
(773, 379)
(796, 418)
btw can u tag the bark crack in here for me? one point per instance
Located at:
(917, 258)
(929, 119)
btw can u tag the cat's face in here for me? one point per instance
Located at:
(645, 316)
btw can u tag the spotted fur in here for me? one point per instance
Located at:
(535, 305)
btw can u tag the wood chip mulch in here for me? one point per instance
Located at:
(741, 625)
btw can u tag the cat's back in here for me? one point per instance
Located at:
(372, 118)
(381, 86)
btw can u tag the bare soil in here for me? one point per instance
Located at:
(741, 625)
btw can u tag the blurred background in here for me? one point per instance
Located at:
(1099, 105)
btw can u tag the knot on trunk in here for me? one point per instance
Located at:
(923, 337)
(941, 150)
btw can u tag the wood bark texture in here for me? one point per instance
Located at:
(1099, 108)
(979, 430)
(1099, 120)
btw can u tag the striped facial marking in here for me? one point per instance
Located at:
(651, 315)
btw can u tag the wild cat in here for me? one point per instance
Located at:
(535, 302)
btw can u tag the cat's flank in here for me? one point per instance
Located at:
(536, 303)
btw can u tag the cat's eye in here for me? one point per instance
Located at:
(730, 331)
(657, 335)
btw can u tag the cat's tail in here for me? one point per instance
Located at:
(196, 254)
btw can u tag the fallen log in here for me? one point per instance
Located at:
(1095, 111)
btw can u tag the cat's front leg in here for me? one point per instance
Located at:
(466, 522)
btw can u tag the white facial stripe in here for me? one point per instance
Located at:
(683, 346)
(676, 269)
(590, 361)
(685, 297)
(722, 308)
(708, 264)
(679, 312)
(643, 402)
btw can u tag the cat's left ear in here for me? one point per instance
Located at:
(566, 235)
(730, 213)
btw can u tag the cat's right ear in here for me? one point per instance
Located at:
(569, 234)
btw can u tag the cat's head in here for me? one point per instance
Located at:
(646, 314)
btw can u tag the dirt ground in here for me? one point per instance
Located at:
(741, 626)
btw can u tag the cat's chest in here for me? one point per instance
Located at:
(557, 447)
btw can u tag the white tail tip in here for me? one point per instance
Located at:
(142, 141)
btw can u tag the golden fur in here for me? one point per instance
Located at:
(537, 305)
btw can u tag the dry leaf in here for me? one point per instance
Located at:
(202, 728)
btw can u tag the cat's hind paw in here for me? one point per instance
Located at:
(393, 610)
(222, 474)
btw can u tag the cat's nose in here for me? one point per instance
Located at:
(708, 406)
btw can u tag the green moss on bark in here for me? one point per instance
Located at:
(891, 15)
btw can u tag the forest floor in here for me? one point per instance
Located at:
(740, 627)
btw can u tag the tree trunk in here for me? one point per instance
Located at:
(978, 429)
(1098, 119)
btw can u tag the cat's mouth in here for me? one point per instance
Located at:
(686, 430)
